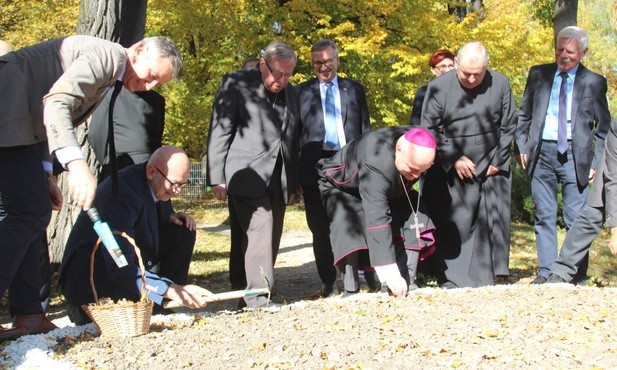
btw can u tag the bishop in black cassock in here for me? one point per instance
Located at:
(365, 189)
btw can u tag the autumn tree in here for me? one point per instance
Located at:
(27, 22)
(214, 38)
(597, 17)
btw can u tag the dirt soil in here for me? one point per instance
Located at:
(502, 327)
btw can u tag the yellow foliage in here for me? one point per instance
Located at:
(597, 17)
(27, 22)
(383, 45)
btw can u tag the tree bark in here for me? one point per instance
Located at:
(565, 15)
(465, 7)
(121, 21)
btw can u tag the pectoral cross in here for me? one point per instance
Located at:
(416, 225)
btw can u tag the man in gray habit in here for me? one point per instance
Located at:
(472, 113)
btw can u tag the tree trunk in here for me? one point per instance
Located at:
(121, 21)
(465, 7)
(565, 15)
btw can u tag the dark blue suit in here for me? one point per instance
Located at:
(134, 212)
(355, 117)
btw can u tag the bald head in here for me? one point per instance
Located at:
(167, 171)
(168, 154)
(5, 47)
(471, 64)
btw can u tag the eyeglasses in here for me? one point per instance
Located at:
(176, 187)
(328, 63)
(444, 67)
(277, 74)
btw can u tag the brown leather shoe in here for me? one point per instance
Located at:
(10, 334)
(34, 324)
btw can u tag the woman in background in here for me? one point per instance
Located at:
(441, 61)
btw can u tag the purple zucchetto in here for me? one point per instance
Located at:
(421, 136)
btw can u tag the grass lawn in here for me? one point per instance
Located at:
(212, 248)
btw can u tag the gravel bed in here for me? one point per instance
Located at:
(505, 326)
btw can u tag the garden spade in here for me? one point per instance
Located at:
(234, 294)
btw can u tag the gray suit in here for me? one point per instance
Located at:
(590, 120)
(45, 90)
(589, 112)
(601, 205)
(253, 149)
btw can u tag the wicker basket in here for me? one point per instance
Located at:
(121, 319)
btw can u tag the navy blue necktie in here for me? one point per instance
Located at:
(562, 127)
(330, 122)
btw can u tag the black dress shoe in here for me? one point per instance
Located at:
(241, 304)
(77, 315)
(539, 280)
(448, 285)
(328, 290)
(554, 279)
(372, 282)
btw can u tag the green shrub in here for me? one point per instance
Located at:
(523, 209)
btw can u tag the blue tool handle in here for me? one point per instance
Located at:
(107, 237)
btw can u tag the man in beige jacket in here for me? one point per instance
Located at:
(45, 91)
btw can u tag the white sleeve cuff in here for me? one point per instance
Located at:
(387, 272)
(68, 154)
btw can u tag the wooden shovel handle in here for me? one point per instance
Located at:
(223, 296)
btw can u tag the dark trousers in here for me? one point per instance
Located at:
(23, 185)
(319, 224)
(45, 271)
(258, 228)
(237, 275)
(175, 253)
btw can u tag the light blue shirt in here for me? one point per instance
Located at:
(337, 105)
(552, 113)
